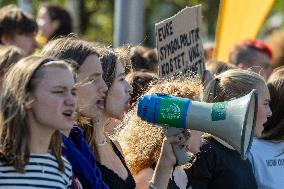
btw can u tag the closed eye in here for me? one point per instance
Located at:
(74, 92)
(57, 92)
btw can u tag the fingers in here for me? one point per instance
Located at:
(178, 136)
(187, 133)
(179, 139)
(173, 139)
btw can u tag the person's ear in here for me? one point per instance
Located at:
(28, 101)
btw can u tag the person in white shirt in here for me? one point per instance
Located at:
(267, 151)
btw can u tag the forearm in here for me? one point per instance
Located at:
(162, 174)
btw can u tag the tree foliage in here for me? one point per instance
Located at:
(97, 16)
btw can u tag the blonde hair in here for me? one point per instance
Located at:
(15, 131)
(232, 84)
(216, 67)
(140, 141)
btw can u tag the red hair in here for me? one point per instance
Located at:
(256, 44)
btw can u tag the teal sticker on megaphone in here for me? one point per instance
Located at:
(219, 111)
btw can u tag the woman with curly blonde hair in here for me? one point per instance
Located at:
(141, 142)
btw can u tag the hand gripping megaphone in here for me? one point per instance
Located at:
(232, 121)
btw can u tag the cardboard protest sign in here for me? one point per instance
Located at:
(179, 44)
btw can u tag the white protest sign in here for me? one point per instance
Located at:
(179, 44)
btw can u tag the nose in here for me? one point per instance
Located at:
(70, 100)
(269, 112)
(103, 87)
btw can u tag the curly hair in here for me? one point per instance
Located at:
(141, 142)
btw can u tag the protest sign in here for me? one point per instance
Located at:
(179, 44)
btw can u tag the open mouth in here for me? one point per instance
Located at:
(68, 113)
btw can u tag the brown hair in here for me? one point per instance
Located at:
(140, 141)
(274, 127)
(73, 48)
(216, 67)
(140, 82)
(15, 131)
(9, 55)
(143, 58)
(70, 47)
(14, 21)
(58, 13)
(109, 62)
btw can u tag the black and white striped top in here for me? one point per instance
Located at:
(42, 171)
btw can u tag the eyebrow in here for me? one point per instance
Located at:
(95, 75)
(63, 87)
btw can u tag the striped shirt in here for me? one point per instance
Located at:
(42, 171)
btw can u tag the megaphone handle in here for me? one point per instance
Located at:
(182, 156)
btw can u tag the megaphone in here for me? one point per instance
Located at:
(232, 121)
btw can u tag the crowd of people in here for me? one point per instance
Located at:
(68, 112)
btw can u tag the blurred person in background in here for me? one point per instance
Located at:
(18, 28)
(276, 41)
(208, 50)
(253, 55)
(144, 59)
(140, 82)
(53, 21)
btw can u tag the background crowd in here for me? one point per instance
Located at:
(68, 111)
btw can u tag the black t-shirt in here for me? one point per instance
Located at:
(112, 179)
(172, 184)
(217, 167)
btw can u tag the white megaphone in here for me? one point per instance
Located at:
(232, 121)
